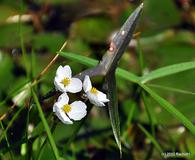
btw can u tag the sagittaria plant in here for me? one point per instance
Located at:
(64, 82)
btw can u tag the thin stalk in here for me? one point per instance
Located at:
(46, 126)
(7, 142)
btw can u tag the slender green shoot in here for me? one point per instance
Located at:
(171, 109)
(171, 89)
(46, 126)
(150, 115)
(152, 139)
(7, 142)
(168, 70)
(10, 123)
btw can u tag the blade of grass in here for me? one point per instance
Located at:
(171, 89)
(46, 126)
(149, 112)
(171, 109)
(90, 62)
(14, 92)
(127, 75)
(7, 142)
(168, 70)
(10, 123)
(129, 119)
(26, 133)
(45, 142)
(152, 139)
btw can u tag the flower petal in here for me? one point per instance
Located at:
(54, 106)
(74, 86)
(78, 110)
(63, 72)
(63, 99)
(58, 85)
(94, 99)
(62, 116)
(87, 84)
(102, 97)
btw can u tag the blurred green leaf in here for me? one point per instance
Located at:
(168, 70)
(92, 29)
(160, 14)
(80, 58)
(190, 143)
(171, 109)
(152, 139)
(16, 115)
(6, 75)
(50, 41)
(172, 89)
(46, 126)
(11, 30)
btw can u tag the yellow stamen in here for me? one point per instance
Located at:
(66, 108)
(93, 90)
(66, 81)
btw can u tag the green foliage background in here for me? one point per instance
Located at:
(155, 101)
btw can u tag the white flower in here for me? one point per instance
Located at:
(68, 112)
(95, 96)
(64, 82)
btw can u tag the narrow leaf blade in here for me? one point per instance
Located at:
(46, 126)
(79, 58)
(171, 109)
(90, 62)
(152, 139)
(168, 70)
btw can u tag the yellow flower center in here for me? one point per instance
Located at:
(93, 90)
(66, 81)
(66, 108)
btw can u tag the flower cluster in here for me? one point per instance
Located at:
(64, 82)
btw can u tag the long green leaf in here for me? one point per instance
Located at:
(149, 111)
(6, 139)
(168, 70)
(92, 62)
(10, 123)
(171, 89)
(171, 109)
(46, 126)
(153, 140)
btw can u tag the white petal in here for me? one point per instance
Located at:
(63, 72)
(74, 86)
(63, 99)
(54, 106)
(94, 99)
(58, 85)
(87, 84)
(78, 110)
(62, 116)
(102, 97)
